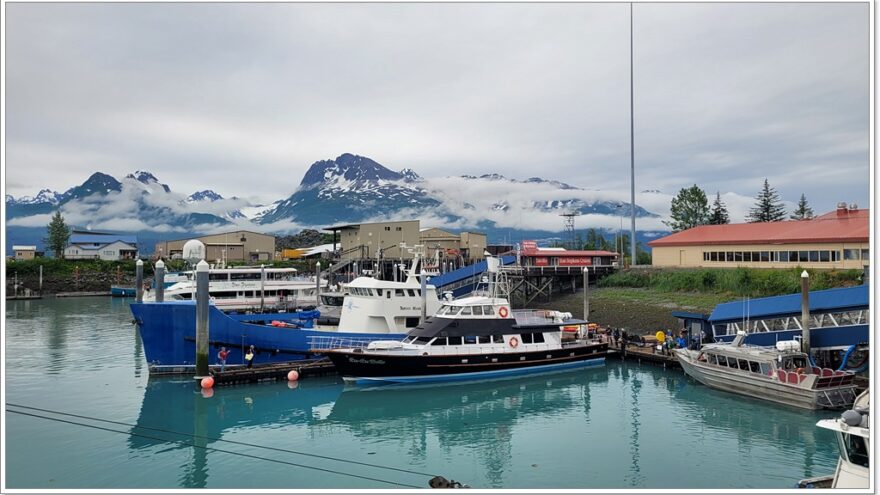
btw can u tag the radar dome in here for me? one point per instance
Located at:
(193, 251)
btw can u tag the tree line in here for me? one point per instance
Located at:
(690, 208)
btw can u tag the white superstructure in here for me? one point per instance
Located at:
(243, 288)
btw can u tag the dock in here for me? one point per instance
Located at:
(646, 354)
(23, 297)
(83, 294)
(274, 371)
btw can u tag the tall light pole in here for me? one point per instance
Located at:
(632, 148)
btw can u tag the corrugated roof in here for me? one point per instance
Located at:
(850, 225)
(847, 298)
(564, 252)
(102, 238)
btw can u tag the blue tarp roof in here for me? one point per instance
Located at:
(102, 238)
(820, 301)
(465, 272)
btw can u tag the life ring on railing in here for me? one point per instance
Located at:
(503, 312)
(799, 371)
(514, 342)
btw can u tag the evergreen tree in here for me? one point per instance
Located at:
(57, 235)
(689, 209)
(594, 240)
(768, 208)
(719, 215)
(803, 211)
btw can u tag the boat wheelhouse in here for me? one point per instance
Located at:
(469, 338)
(781, 374)
(853, 433)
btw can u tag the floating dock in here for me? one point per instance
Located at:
(83, 294)
(275, 371)
(647, 354)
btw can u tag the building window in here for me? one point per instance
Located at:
(850, 254)
(835, 255)
(747, 256)
(782, 256)
(825, 256)
(814, 256)
(388, 229)
(705, 256)
(398, 229)
(803, 256)
(865, 256)
(765, 256)
(713, 256)
(737, 256)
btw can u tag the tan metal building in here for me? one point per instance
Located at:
(237, 245)
(434, 238)
(25, 252)
(472, 245)
(366, 240)
(839, 239)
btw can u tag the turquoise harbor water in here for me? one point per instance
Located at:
(617, 426)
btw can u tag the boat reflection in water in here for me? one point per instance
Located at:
(478, 416)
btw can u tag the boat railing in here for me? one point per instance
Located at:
(319, 343)
(538, 317)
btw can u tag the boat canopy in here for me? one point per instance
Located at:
(821, 301)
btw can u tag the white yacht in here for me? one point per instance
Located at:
(241, 288)
(385, 306)
(854, 440)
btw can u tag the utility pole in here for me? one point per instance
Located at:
(632, 148)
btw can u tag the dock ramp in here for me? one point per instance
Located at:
(465, 279)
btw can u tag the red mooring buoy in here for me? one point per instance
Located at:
(207, 382)
(293, 376)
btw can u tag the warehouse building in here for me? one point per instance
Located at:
(839, 239)
(237, 245)
(383, 240)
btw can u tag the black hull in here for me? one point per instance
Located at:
(354, 364)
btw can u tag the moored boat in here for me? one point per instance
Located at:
(852, 429)
(781, 374)
(474, 337)
(369, 309)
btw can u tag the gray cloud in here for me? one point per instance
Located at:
(242, 98)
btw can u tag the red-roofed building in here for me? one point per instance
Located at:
(532, 255)
(838, 239)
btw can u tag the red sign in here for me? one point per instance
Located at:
(541, 261)
(575, 261)
(529, 245)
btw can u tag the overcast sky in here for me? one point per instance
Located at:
(242, 98)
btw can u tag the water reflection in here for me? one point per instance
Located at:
(477, 415)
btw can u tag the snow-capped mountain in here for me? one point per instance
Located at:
(349, 189)
(209, 196)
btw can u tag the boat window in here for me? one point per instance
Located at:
(539, 338)
(743, 365)
(411, 292)
(488, 310)
(478, 310)
(443, 309)
(423, 340)
(710, 358)
(455, 340)
(799, 362)
(498, 339)
(379, 292)
(722, 360)
(411, 321)
(754, 367)
(465, 310)
(485, 339)
(765, 369)
(399, 293)
(408, 339)
(388, 294)
(470, 339)
(854, 448)
(526, 338)
(439, 341)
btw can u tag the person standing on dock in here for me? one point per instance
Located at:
(221, 357)
(249, 357)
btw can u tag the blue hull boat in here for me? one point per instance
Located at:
(168, 332)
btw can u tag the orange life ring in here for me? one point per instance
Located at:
(514, 342)
(799, 371)
(503, 312)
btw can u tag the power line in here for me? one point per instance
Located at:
(268, 459)
(215, 439)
